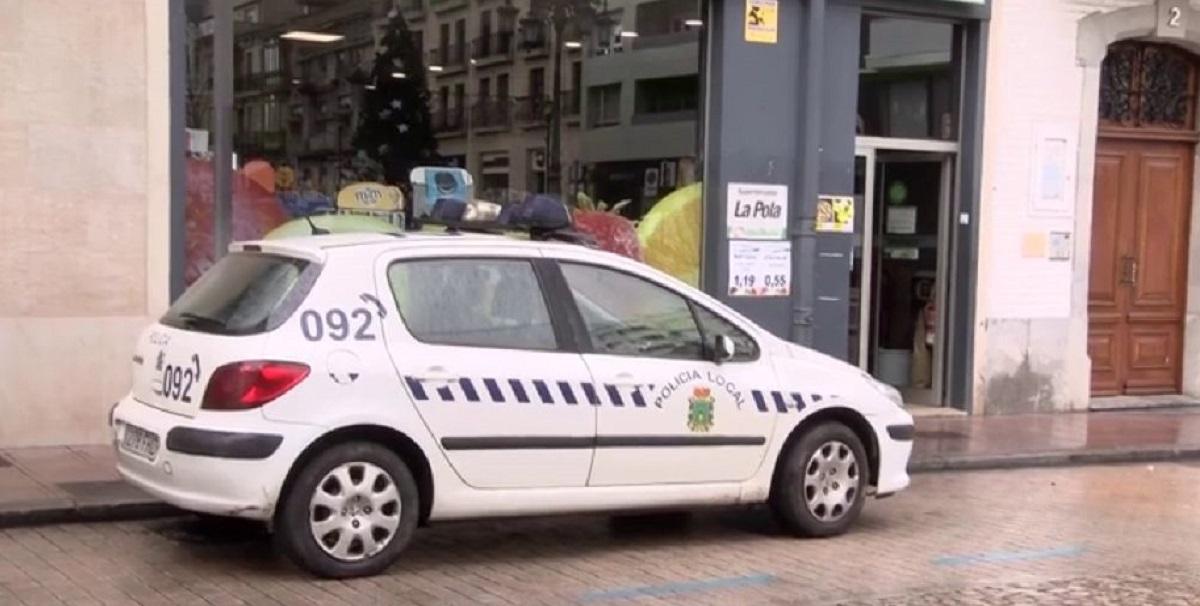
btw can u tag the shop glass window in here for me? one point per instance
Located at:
(605, 104)
(675, 98)
(473, 302)
(664, 22)
(629, 316)
(271, 58)
(909, 78)
(328, 94)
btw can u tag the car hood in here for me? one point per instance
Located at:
(819, 360)
(834, 379)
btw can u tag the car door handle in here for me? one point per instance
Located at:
(624, 379)
(437, 375)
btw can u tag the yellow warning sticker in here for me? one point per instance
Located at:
(835, 214)
(762, 21)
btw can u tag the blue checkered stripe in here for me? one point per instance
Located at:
(575, 393)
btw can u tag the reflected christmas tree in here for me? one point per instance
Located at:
(395, 128)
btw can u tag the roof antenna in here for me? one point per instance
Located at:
(316, 231)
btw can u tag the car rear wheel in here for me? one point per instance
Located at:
(821, 487)
(349, 512)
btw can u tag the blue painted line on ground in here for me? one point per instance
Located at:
(678, 588)
(997, 557)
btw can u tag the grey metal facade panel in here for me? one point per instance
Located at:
(675, 60)
(638, 142)
(752, 136)
(755, 131)
(966, 237)
(177, 100)
(839, 111)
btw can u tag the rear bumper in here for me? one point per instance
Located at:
(223, 444)
(236, 469)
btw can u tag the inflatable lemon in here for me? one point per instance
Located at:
(670, 234)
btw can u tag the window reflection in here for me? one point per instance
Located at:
(908, 78)
(583, 99)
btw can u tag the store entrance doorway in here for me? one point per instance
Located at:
(900, 264)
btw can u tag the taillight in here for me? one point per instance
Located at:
(246, 385)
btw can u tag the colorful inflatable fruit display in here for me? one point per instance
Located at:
(670, 234)
(612, 232)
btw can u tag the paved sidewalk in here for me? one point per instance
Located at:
(67, 483)
(957, 443)
(75, 483)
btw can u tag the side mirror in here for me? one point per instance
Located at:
(723, 349)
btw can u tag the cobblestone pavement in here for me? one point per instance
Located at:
(1089, 535)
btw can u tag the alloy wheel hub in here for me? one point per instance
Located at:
(355, 511)
(831, 481)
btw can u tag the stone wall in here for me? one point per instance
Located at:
(83, 202)
(1043, 73)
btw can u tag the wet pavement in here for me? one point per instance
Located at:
(1123, 534)
(997, 438)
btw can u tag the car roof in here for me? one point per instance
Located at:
(319, 246)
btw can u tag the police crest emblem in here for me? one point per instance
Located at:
(700, 409)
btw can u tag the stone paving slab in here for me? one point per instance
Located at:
(74, 483)
(44, 485)
(1100, 535)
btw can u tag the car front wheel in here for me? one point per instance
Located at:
(350, 511)
(821, 487)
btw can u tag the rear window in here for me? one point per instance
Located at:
(243, 294)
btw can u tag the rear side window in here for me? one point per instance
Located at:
(473, 302)
(243, 294)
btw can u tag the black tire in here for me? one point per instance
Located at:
(294, 536)
(789, 495)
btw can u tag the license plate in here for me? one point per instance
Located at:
(140, 442)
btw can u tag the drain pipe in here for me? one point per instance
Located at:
(803, 233)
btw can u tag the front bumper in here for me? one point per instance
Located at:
(895, 448)
(231, 464)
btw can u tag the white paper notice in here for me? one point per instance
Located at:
(902, 220)
(760, 269)
(756, 211)
(1052, 178)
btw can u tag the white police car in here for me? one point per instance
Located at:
(346, 388)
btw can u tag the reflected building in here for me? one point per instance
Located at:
(627, 101)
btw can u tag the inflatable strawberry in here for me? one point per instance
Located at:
(612, 232)
(256, 211)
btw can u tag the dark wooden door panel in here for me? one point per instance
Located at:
(1105, 352)
(1104, 276)
(1160, 241)
(1137, 281)
(1153, 359)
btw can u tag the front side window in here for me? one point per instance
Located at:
(711, 325)
(626, 315)
(473, 302)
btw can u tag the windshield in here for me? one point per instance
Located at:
(243, 294)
